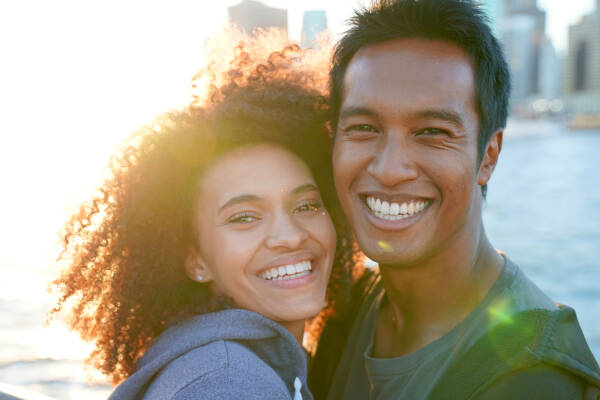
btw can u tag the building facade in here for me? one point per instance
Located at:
(582, 75)
(522, 33)
(250, 15)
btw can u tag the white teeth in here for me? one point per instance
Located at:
(393, 211)
(403, 208)
(290, 271)
(385, 207)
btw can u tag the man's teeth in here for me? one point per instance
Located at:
(290, 271)
(395, 211)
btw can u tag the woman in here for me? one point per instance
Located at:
(194, 270)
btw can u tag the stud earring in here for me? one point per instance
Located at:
(199, 277)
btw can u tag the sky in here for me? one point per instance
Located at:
(561, 14)
(77, 76)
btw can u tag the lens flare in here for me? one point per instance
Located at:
(385, 246)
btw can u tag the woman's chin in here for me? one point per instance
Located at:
(293, 313)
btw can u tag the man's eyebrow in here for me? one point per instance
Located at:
(444, 115)
(352, 111)
(307, 187)
(239, 199)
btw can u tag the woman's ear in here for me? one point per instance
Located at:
(490, 158)
(195, 267)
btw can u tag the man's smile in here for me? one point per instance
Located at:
(393, 211)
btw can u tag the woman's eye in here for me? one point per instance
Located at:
(307, 207)
(242, 219)
(433, 131)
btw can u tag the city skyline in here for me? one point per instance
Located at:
(559, 15)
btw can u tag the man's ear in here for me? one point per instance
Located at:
(490, 158)
(195, 267)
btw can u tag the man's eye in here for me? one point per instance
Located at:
(309, 206)
(361, 132)
(242, 219)
(362, 128)
(433, 131)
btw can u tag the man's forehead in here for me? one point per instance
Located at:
(409, 70)
(434, 50)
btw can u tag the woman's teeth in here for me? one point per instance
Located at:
(395, 211)
(290, 271)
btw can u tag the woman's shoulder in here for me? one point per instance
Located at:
(220, 369)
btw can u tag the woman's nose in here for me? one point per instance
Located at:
(286, 232)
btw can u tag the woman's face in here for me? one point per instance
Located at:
(265, 239)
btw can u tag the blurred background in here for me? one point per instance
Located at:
(76, 77)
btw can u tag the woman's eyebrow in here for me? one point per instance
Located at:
(307, 187)
(239, 199)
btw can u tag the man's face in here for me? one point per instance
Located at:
(405, 155)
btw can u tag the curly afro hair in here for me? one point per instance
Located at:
(122, 275)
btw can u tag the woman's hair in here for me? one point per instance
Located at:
(123, 277)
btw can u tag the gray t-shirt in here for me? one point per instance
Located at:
(413, 376)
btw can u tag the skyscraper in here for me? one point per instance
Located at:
(582, 83)
(313, 23)
(250, 14)
(523, 38)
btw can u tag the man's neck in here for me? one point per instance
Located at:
(425, 301)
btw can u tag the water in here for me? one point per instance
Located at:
(543, 210)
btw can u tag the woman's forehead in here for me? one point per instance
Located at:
(258, 169)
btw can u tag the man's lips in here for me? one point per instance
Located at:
(399, 197)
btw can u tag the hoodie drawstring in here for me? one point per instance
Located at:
(297, 387)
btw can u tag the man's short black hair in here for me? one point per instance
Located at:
(459, 22)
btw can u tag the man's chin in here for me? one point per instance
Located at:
(388, 254)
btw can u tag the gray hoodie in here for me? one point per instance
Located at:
(230, 354)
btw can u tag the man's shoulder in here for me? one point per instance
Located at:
(542, 381)
(524, 293)
(541, 343)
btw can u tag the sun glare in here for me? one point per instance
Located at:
(76, 79)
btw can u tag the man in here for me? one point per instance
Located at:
(419, 97)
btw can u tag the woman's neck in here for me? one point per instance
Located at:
(296, 328)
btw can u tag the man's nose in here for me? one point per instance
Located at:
(394, 162)
(285, 232)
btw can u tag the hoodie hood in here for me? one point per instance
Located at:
(270, 341)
